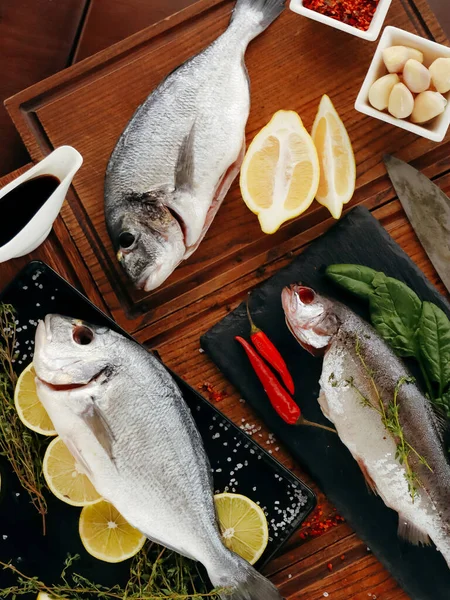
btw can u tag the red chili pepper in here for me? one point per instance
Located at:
(280, 399)
(268, 351)
(278, 396)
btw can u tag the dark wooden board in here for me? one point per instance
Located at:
(38, 290)
(37, 37)
(358, 238)
(290, 66)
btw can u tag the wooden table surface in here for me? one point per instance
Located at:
(41, 37)
(336, 563)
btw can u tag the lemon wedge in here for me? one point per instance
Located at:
(280, 172)
(243, 526)
(65, 478)
(336, 158)
(29, 408)
(106, 535)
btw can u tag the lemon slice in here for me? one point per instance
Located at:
(45, 596)
(29, 408)
(337, 161)
(243, 526)
(106, 535)
(66, 478)
(280, 172)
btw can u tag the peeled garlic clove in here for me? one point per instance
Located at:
(416, 77)
(440, 74)
(427, 106)
(381, 90)
(401, 101)
(395, 57)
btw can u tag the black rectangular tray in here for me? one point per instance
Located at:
(37, 291)
(357, 238)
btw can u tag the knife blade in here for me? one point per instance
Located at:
(428, 211)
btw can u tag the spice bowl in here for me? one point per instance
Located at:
(436, 129)
(371, 34)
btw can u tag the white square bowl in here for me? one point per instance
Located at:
(392, 36)
(371, 34)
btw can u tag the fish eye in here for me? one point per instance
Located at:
(306, 295)
(126, 239)
(82, 335)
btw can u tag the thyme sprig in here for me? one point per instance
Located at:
(155, 573)
(390, 417)
(20, 446)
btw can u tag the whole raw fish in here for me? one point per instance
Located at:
(125, 421)
(179, 154)
(359, 370)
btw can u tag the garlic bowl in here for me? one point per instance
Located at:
(436, 129)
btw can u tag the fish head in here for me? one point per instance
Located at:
(70, 353)
(312, 319)
(148, 239)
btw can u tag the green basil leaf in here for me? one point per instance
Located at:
(354, 278)
(379, 279)
(434, 339)
(443, 404)
(395, 311)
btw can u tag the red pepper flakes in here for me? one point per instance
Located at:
(319, 524)
(330, 567)
(357, 13)
(212, 394)
(343, 557)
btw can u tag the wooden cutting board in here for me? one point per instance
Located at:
(290, 66)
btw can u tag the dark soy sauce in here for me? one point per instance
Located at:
(22, 203)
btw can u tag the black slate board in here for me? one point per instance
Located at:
(238, 463)
(357, 238)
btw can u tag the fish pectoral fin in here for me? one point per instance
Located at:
(409, 532)
(371, 485)
(184, 170)
(76, 453)
(95, 420)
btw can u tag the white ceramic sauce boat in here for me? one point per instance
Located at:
(62, 163)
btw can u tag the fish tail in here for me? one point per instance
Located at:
(253, 16)
(241, 581)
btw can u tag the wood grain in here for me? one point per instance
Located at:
(301, 571)
(110, 22)
(88, 105)
(36, 39)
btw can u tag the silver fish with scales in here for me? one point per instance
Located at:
(179, 154)
(124, 419)
(360, 371)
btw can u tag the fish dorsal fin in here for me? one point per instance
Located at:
(409, 532)
(439, 422)
(184, 171)
(95, 420)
